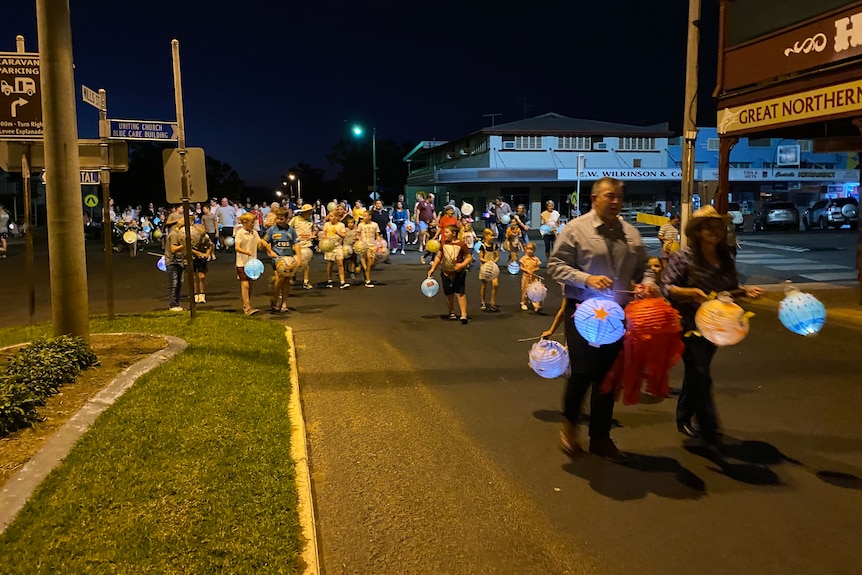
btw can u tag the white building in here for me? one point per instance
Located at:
(548, 157)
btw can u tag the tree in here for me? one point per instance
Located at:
(355, 159)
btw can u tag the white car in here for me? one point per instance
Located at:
(735, 212)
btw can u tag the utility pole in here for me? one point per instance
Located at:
(689, 115)
(68, 270)
(184, 181)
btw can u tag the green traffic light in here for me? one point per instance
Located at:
(357, 131)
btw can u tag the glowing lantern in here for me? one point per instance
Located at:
(348, 251)
(327, 245)
(505, 219)
(466, 209)
(549, 358)
(161, 264)
(429, 287)
(432, 246)
(381, 254)
(359, 247)
(157, 234)
(253, 268)
(544, 229)
(721, 321)
(600, 321)
(536, 292)
(331, 207)
(489, 271)
(307, 256)
(285, 266)
(514, 268)
(229, 241)
(409, 227)
(477, 247)
(801, 313)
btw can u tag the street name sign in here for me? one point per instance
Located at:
(20, 97)
(88, 177)
(196, 171)
(143, 130)
(92, 97)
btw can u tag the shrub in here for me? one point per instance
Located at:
(36, 372)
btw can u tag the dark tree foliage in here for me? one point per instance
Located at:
(355, 177)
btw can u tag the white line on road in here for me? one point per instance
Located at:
(827, 277)
(773, 246)
(810, 268)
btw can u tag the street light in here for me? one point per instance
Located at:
(357, 131)
(293, 177)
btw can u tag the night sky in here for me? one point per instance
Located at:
(269, 84)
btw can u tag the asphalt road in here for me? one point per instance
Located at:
(434, 447)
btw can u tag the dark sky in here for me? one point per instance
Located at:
(269, 84)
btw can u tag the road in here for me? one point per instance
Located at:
(434, 447)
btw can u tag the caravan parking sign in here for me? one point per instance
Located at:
(20, 97)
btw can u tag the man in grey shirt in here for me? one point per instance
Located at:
(226, 220)
(596, 255)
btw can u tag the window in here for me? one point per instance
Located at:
(635, 144)
(805, 145)
(528, 142)
(740, 164)
(636, 163)
(760, 143)
(574, 143)
(712, 144)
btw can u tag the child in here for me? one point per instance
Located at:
(488, 252)
(651, 280)
(202, 249)
(246, 244)
(431, 233)
(335, 231)
(368, 232)
(282, 240)
(132, 226)
(514, 237)
(350, 260)
(453, 259)
(559, 318)
(466, 234)
(529, 266)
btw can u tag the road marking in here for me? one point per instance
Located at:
(826, 277)
(780, 260)
(782, 247)
(811, 268)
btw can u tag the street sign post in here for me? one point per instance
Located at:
(196, 174)
(20, 96)
(143, 130)
(92, 97)
(89, 154)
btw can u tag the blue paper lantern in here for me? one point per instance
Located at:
(253, 268)
(477, 247)
(549, 358)
(161, 264)
(429, 287)
(423, 226)
(801, 313)
(505, 219)
(560, 229)
(600, 321)
(545, 229)
(514, 268)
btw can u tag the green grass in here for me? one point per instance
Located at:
(189, 472)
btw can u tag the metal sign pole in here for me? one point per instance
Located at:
(28, 239)
(184, 179)
(107, 227)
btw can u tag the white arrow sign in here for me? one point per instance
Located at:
(15, 104)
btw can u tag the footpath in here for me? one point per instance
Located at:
(843, 301)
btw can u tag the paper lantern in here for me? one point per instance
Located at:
(409, 227)
(157, 221)
(307, 256)
(514, 268)
(381, 254)
(331, 207)
(285, 266)
(253, 268)
(721, 321)
(229, 241)
(157, 234)
(544, 229)
(161, 264)
(130, 237)
(423, 226)
(560, 229)
(147, 229)
(432, 246)
(549, 358)
(505, 219)
(466, 209)
(801, 313)
(600, 321)
(359, 247)
(327, 245)
(348, 251)
(477, 247)
(429, 287)
(536, 292)
(489, 271)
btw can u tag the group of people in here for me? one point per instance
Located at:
(601, 255)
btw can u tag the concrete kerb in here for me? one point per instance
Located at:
(21, 486)
(299, 454)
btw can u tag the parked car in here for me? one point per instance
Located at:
(735, 212)
(780, 215)
(832, 213)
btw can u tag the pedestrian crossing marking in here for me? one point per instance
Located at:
(782, 247)
(812, 267)
(831, 277)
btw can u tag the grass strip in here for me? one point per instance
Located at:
(189, 472)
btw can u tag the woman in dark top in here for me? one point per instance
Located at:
(704, 266)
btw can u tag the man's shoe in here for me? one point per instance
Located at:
(686, 429)
(570, 446)
(606, 449)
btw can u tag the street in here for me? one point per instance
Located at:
(434, 447)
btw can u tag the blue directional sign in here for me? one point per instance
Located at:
(88, 177)
(143, 130)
